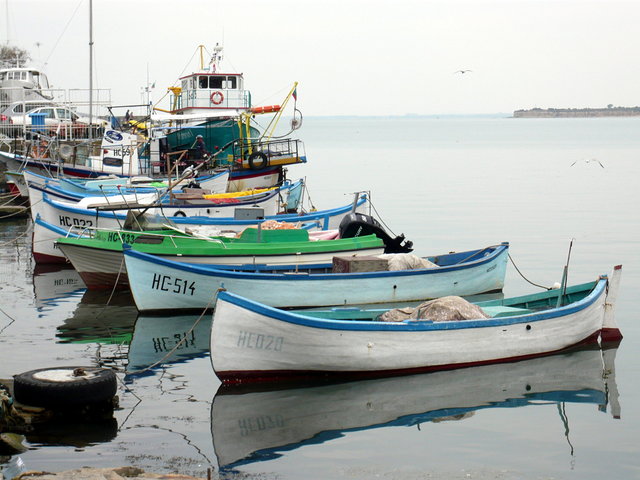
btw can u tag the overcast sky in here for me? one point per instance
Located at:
(350, 57)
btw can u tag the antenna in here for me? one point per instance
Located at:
(6, 3)
(216, 58)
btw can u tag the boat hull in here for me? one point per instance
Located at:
(485, 274)
(254, 342)
(101, 268)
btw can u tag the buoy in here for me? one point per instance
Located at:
(267, 109)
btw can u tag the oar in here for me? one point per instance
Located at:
(565, 274)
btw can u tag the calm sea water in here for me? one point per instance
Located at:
(447, 184)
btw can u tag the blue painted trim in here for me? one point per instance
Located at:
(201, 220)
(55, 229)
(413, 326)
(531, 399)
(209, 270)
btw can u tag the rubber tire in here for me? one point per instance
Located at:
(179, 213)
(257, 166)
(37, 392)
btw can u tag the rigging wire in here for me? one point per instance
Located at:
(378, 215)
(181, 74)
(63, 31)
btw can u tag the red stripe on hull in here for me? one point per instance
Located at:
(610, 335)
(103, 281)
(42, 258)
(245, 377)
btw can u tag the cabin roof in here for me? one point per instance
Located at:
(210, 74)
(21, 69)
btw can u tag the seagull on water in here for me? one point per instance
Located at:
(462, 72)
(589, 161)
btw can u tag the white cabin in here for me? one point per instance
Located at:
(23, 84)
(211, 91)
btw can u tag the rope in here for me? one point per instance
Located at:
(306, 190)
(24, 234)
(10, 196)
(565, 422)
(9, 317)
(113, 290)
(525, 278)
(17, 212)
(177, 345)
(378, 215)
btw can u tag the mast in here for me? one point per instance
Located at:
(6, 4)
(90, 69)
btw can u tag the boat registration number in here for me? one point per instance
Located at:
(74, 222)
(167, 283)
(259, 341)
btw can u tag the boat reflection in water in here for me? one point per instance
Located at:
(159, 340)
(103, 319)
(252, 426)
(132, 342)
(53, 283)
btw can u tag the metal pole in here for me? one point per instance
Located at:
(90, 72)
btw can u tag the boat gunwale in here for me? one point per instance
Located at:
(412, 326)
(48, 192)
(209, 250)
(210, 270)
(309, 217)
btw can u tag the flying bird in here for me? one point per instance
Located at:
(462, 72)
(589, 161)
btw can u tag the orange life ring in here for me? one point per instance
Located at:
(217, 97)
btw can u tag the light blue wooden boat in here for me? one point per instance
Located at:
(164, 285)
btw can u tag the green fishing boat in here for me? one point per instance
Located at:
(97, 254)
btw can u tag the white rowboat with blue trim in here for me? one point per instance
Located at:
(251, 341)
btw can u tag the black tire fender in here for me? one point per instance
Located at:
(257, 161)
(64, 386)
(179, 213)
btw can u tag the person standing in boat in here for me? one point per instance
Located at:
(201, 149)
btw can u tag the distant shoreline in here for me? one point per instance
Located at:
(577, 112)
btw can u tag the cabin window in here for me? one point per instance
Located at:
(48, 112)
(203, 82)
(215, 82)
(185, 84)
(40, 80)
(19, 108)
(231, 82)
(149, 239)
(64, 114)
